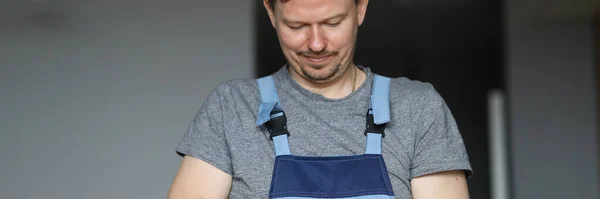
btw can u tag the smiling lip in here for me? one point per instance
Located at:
(318, 60)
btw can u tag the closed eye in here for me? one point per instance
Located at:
(333, 24)
(296, 27)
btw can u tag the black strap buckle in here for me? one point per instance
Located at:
(372, 127)
(277, 125)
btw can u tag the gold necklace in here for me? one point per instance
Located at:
(353, 79)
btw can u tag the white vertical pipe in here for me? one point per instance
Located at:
(498, 146)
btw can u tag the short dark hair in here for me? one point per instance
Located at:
(272, 2)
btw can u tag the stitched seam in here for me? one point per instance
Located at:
(384, 175)
(276, 176)
(364, 192)
(363, 158)
(325, 193)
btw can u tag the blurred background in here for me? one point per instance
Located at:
(96, 95)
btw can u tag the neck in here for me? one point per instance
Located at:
(337, 88)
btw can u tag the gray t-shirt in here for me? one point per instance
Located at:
(421, 138)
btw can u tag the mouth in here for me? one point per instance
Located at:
(318, 59)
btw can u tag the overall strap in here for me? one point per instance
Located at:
(271, 113)
(378, 114)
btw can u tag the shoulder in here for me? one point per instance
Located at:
(247, 88)
(414, 92)
(415, 101)
(230, 91)
(235, 86)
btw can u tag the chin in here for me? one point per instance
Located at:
(319, 67)
(320, 73)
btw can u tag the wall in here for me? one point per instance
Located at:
(551, 86)
(97, 94)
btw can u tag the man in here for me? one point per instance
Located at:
(325, 97)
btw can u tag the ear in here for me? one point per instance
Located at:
(270, 11)
(361, 10)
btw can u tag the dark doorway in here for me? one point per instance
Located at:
(596, 29)
(455, 45)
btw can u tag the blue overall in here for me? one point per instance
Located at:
(354, 177)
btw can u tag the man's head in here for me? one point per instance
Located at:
(317, 37)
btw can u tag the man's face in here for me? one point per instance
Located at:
(318, 36)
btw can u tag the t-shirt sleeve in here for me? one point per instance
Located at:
(205, 137)
(439, 144)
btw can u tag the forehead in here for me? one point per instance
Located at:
(313, 10)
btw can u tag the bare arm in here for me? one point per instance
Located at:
(197, 179)
(448, 185)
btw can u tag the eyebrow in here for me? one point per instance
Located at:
(342, 15)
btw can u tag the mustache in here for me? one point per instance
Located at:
(316, 55)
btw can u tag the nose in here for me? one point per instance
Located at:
(316, 41)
